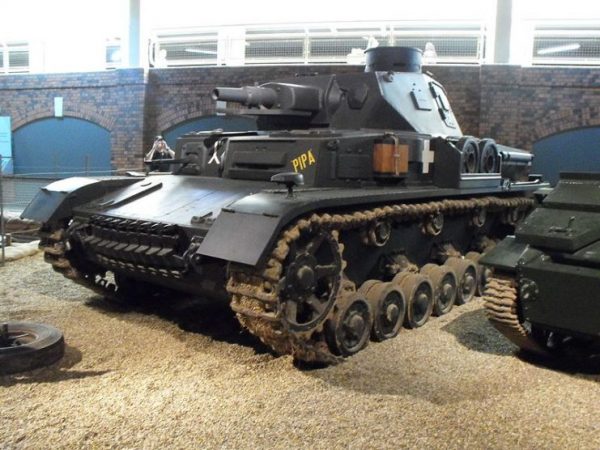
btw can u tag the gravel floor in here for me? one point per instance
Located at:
(186, 376)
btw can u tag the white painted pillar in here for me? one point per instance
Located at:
(133, 34)
(503, 31)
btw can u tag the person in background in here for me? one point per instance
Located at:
(160, 150)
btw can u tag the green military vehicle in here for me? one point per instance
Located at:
(544, 292)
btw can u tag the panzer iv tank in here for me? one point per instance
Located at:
(358, 206)
(543, 295)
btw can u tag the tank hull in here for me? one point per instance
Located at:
(187, 229)
(550, 271)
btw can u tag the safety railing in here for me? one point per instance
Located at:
(324, 43)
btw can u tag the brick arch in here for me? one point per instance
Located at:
(560, 121)
(85, 114)
(184, 113)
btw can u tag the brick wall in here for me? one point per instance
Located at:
(514, 105)
(520, 105)
(112, 99)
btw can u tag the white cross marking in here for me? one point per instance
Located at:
(427, 156)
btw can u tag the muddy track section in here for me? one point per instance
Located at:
(54, 245)
(501, 306)
(255, 293)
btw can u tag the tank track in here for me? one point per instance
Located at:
(55, 246)
(255, 292)
(502, 309)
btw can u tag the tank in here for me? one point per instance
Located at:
(356, 208)
(543, 295)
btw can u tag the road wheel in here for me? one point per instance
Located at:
(348, 332)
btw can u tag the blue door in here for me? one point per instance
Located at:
(571, 151)
(226, 123)
(59, 148)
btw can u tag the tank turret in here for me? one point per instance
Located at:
(392, 93)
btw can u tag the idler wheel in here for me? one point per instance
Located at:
(483, 273)
(470, 154)
(489, 156)
(348, 332)
(389, 309)
(418, 292)
(466, 274)
(445, 287)
(312, 280)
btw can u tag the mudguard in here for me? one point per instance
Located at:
(56, 201)
(505, 256)
(240, 237)
(246, 230)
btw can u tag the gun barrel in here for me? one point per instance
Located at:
(247, 95)
(514, 155)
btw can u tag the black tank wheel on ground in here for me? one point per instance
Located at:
(348, 332)
(445, 287)
(466, 274)
(312, 280)
(26, 346)
(418, 292)
(389, 309)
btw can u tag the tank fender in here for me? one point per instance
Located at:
(246, 230)
(508, 254)
(240, 237)
(56, 201)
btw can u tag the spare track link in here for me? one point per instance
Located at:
(254, 291)
(501, 306)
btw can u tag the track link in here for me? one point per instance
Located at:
(502, 309)
(255, 291)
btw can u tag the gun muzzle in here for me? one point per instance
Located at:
(515, 156)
